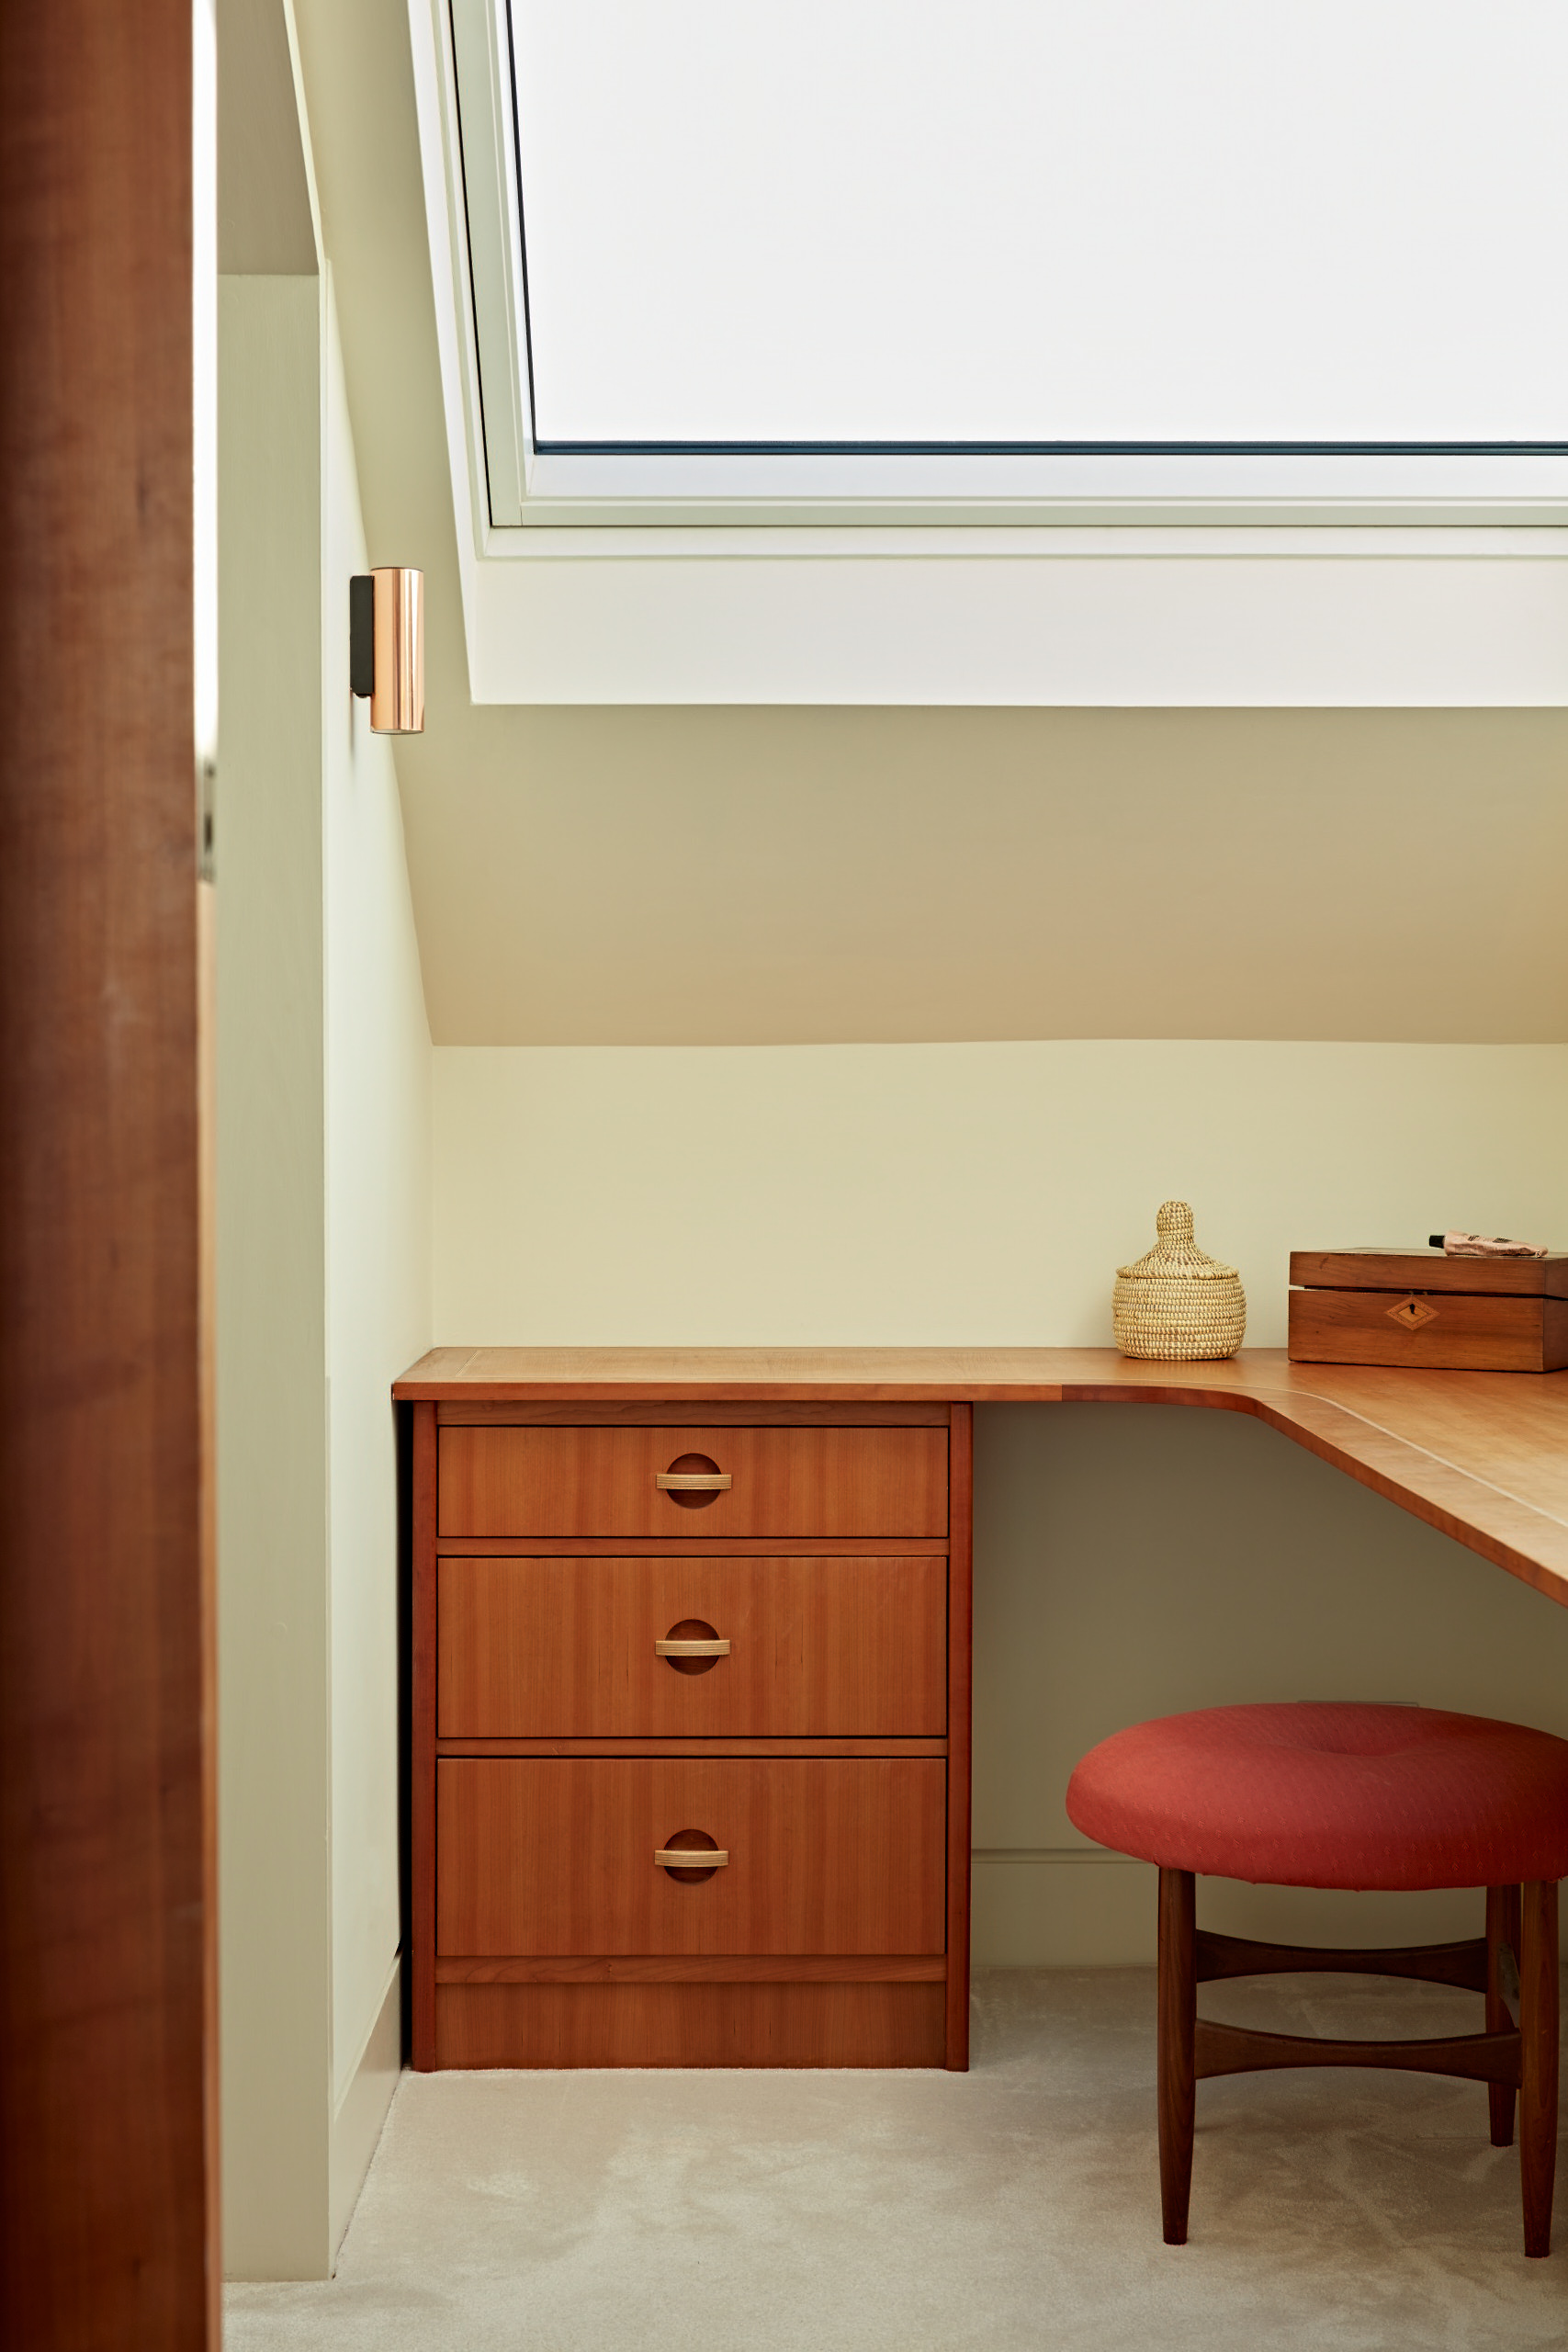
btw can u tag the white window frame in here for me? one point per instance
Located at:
(677, 569)
(527, 489)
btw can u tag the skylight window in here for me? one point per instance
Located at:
(1033, 226)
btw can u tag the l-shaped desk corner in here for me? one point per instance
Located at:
(542, 1933)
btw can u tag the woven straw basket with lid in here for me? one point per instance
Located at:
(1176, 1304)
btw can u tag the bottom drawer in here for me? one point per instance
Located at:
(554, 1855)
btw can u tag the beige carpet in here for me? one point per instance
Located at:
(1012, 2210)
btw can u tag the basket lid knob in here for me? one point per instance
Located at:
(1177, 1253)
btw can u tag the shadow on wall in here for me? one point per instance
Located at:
(1137, 1561)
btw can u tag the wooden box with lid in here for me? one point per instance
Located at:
(1424, 1309)
(644, 1633)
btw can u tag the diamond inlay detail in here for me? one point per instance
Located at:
(1412, 1313)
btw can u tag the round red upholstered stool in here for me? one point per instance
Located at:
(1362, 1797)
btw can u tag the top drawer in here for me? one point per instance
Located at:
(786, 1482)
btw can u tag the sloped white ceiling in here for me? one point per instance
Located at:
(624, 876)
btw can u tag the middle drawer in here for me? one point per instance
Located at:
(818, 1648)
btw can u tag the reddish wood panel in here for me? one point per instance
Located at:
(959, 1706)
(532, 1648)
(107, 2229)
(695, 1968)
(830, 1855)
(689, 2025)
(811, 1483)
(1455, 1331)
(734, 1744)
(656, 1547)
(422, 1738)
(668, 1413)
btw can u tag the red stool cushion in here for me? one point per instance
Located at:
(1331, 1794)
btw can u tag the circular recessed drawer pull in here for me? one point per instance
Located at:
(688, 1857)
(688, 1482)
(693, 1649)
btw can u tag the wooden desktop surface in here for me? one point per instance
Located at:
(1483, 1455)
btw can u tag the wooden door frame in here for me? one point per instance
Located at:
(107, 2102)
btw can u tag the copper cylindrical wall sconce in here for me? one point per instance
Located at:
(387, 647)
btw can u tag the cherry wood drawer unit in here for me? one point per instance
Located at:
(653, 1631)
(821, 1855)
(546, 1646)
(812, 1483)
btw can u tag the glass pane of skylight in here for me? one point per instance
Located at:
(1045, 220)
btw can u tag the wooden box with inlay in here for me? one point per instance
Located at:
(647, 1632)
(1421, 1309)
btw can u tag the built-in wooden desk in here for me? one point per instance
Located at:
(842, 1544)
(1483, 1455)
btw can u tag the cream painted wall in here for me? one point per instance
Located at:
(274, 1848)
(377, 1140)
(1127, 1563)
(925, 1193)
(322, 1297)
(1133, 1562)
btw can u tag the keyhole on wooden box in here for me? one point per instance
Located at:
(699, 1842)
(690, 1497)
(691, 1629)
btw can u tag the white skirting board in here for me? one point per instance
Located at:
(362, 2110)
(1077, 1907)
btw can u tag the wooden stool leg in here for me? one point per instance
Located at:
(1501, 1931)
(1178, 2011)
(1538, 2035)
